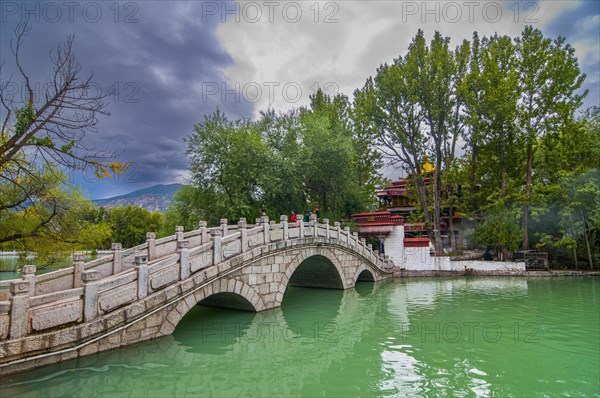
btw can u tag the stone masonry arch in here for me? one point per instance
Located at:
(233, 286)
(361, 269)
(311, 252)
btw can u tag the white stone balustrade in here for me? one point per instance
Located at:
(100, 286)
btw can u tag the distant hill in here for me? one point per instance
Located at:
(155, 198)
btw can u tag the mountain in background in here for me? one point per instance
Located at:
(155, 198)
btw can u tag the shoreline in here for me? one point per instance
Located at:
(403, 273)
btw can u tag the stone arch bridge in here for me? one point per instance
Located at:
(143, 292)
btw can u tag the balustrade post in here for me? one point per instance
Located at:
(183, 248)
(264, 220)
(117, 250)
(203, 232)
(217, 252)
(19, 308)
(301, 228)
(284, 225)
(78, 268)
(314, 223)
(178, 233)
(347, 233)
(361, 245)
(387, 262)
(151, 239)
(29, 276)
(242, 227)
(355, 238)
(223, 223)
(337, 225)
(90, 294)
(257, 222)
(326, 222)
(141, 266)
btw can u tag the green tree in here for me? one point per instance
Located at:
(228, 162)
(549, 78)
(564, 192)
(46, 216)
(389, 106)
(130, 224)
(500, 230)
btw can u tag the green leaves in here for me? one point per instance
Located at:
(499, 230)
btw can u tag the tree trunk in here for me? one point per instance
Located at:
(451, 223)
(575, 257)
(525, 218)
(437, 197)
(502, 163)
(587, 243)
(420, 184)
(473, 164)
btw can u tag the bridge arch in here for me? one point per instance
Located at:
(364, 274)
(225, 293)
(308, 259)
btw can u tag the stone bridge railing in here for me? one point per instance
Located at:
(86, 291)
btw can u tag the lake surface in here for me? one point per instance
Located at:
(9, 265)
(421, 337)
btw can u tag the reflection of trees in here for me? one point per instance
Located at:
(419, 361)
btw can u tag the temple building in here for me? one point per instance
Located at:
(396, 203)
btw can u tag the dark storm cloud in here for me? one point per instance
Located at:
(582, 25)
(155, 56)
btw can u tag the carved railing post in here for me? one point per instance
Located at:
(217, 252)
(301, 228)
(347, 233)
(242, 227)
(178, 233)
(29, 276)
(117, 250)
(203, 232)
(90, 294)
(326, 222)
(223, 223)
(183, 247)
(78, 268)
(355, 239)
(19, 307)
(387, 263)
(285, 226)
(141, 266)
(151, 239)
(313, 223)
(257, 222)
(264, 220)
(337, 226)
(272, 225)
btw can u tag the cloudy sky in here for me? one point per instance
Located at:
(171, 62)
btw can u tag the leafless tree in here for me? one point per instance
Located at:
(51, 129)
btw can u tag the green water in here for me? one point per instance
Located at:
(432, 337)
(9, 265)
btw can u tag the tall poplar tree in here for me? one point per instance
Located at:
(549, 77)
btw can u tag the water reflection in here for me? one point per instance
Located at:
(364, 288)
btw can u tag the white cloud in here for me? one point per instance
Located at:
(312, 54)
